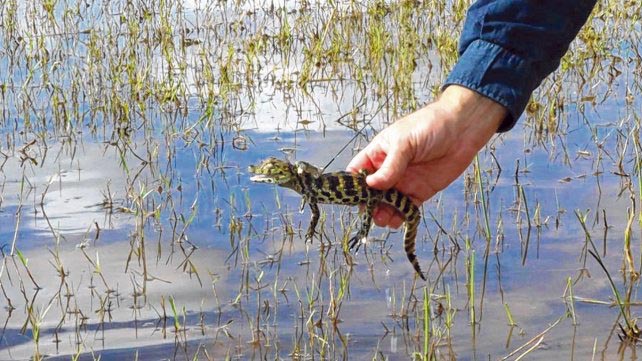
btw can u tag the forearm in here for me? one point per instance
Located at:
(473, 116)
(508, 47)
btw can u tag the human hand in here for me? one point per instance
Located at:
(423, 152)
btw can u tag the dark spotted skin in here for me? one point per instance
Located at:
(340, 188)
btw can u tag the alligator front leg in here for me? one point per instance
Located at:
(313, 221)
(366, 223)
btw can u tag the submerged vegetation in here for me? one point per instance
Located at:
(129, 228)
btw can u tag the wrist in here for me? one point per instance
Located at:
(472, 113)
(466, 106)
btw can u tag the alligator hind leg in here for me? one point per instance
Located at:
(366, 223)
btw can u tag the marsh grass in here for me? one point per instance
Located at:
(177, 94)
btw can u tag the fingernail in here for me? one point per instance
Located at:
(381, 216)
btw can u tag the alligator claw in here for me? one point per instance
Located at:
(354, 242)
(308, 237)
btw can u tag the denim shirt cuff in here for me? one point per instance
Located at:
(498, 74)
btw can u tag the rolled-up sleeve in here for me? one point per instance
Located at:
(508, 47)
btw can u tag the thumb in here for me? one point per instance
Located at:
(391, 171)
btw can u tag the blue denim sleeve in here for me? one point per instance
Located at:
(508, 47)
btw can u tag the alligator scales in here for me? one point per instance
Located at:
(340, 188)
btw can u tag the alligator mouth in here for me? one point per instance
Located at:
(262, 178)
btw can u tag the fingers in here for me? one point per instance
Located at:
(391, 171)
(389, 164)
(363, 160)
(389, 161)
(385, 216)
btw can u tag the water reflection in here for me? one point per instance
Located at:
(248, 282)
(65, 194)
(129, 227)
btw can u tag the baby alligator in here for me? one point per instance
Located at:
(340, 188)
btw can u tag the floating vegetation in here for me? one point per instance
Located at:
(129, 227)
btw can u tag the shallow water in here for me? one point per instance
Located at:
(133, 231)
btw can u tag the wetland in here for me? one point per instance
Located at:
(129, 228)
